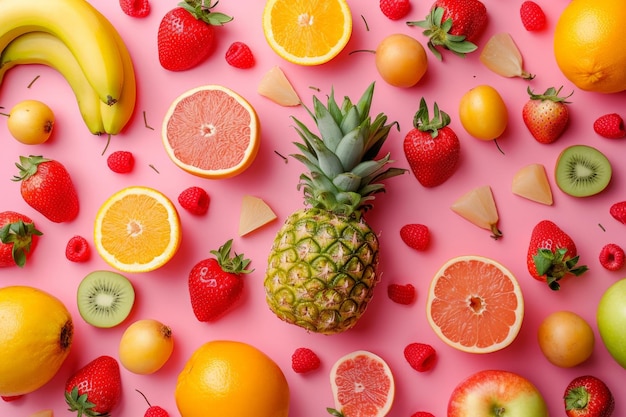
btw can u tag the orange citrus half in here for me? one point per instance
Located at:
(307, 32)
(212, 132)
(475, 304)
(362, 385)
(137, 229)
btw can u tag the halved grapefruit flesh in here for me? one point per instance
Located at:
(211, 132)
(475, 304)
(362, 385)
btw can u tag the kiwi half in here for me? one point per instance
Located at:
(105, 298)
(582, 171)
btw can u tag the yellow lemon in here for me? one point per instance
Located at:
(483, 113)
(36, 332)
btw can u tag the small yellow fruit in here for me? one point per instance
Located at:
(401, 60)
(565, 339)
(31, 122)
(483, 113)
(146, 346)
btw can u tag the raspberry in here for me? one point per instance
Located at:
(610, 126)
(135, 8)
(416, 236)
(304, 360)
(422, 414)
(395, 9)
(421, 356)
(156, 411)
(612, 257)
(401, 294)
(77, 249)
(121, 162)
(533, 17)
(618, 211)
(195, 200)
(240, 56)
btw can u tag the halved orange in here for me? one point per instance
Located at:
(475, 304)
(211, 132)
(307, 32)
(137, 229)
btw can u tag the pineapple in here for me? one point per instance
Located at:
(322, 267)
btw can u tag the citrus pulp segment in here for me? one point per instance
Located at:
(212, 132)
(362, 385)
(307, 32)
(137, 229)
(475, 304)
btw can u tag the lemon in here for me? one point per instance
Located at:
(36, 332)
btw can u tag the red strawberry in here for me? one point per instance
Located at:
(153, 410)
(401, 294)
(395, 9)
(121, 162)
(239, 55)
(533, 17)
(552, 254)
(416, 236)
(18, 237)
(135, 8)
(431, 147)
(95, 389)
(186, 35)
(304, 360)
(588, 396)
(215, 284)
(618, 211)
(612, 257)
(546, 115)
(195, 200)
(422, 414)
(421, 356)
(48, 188)
(610, 126)
(454, 25)
(77, 249)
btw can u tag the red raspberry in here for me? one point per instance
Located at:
(422, 414)
(304, 360)
(156, 411)
(401, 294)
(612, 257)
(618, 211)
(135, 8)
(420, 356)
(416, 236)
(195, 200)
(77, 249)
(610, 126)
(395, 9)
(121, 162)
(533, 17)
(240, 56)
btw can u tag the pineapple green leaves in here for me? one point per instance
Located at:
(344, 174)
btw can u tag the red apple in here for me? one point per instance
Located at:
(496, 393)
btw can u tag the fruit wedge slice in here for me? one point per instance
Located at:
(255, 213)
(479, 207)
(531, 182)
(275, 86)
(501, 55)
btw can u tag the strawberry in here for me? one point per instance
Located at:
(135, 8)
(422, 414)
(18, 238)
(454, 25)
(121, 162)
(239, 56)
(416, 236)
(215, 284)
(195, 200)
(153, 410)
(618, 211)
(610, 126)
(77, 249)
(431, 147)
(552, 254)
(395, 9)
(401, 294)
(588, 396)
(95, 389)
(533, 16)
(612, 257)
(420, 356)
(304, 360)
(186, 35)
(546, 115)
(48, 188)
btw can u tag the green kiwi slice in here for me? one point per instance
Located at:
(582, 171)
(105, 298)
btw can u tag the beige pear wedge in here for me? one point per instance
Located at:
(255, 213)
(531, 182)
(42, 413)
(275, 86)
(478, 207)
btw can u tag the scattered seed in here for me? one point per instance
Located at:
(145, 121)
(33, 81)
(601, 227)
(154, 168)
(314, 88)
(282, 156)
(107, 144)
(367, 27)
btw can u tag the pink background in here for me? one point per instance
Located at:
(386, 327)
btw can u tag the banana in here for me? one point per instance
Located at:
(80, 27)
(46, 49)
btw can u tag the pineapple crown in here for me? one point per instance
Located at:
(343, 172)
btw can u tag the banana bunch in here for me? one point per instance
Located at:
(75, 39)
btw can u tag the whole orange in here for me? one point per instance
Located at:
(588, 44)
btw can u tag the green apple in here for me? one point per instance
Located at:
(496, 393)
(611, 317)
